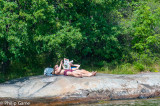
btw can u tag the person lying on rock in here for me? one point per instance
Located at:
(69, 72)
(75, 67)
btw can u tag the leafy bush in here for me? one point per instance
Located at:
(105, 33)
(139, 66)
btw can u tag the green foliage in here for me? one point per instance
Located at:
(37, 33)
(21, 22)
(143, 27)
(66, 38)
(139, 66)
(2, 77)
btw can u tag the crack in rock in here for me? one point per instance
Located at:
(48, 83)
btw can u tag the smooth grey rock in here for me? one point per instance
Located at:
(106, 86)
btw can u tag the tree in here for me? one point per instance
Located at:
(21, 22)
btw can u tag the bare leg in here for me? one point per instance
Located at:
(85, 73)
(94, 73)
(74, 74)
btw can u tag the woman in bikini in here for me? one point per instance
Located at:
(70, 72)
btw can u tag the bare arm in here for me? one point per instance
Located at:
(76, 65)
(63, 65)
(59, 69)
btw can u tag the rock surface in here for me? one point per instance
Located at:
(101, 86)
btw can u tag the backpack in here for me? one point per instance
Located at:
(48, 71)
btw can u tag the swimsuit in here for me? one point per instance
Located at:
(67, 70)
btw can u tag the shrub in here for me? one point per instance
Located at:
(138, 66)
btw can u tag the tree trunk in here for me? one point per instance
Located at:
(5, 63)
(5, 66)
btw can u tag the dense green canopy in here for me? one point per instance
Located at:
(38, 33)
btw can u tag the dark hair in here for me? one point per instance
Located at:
(54, 69)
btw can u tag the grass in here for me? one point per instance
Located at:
(125, 68)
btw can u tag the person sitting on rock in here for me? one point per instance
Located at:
(70, 72)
